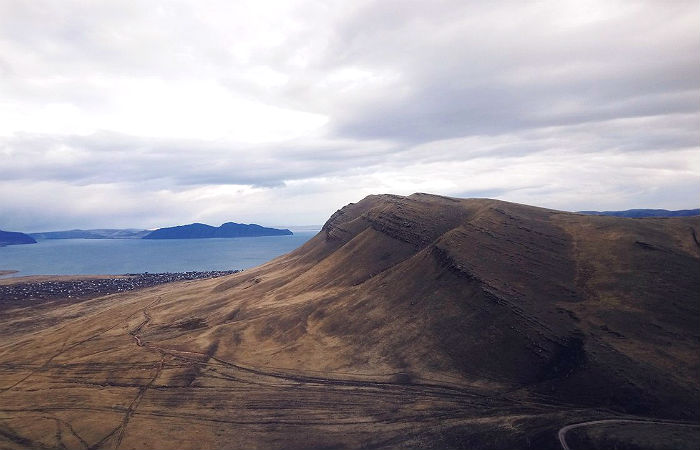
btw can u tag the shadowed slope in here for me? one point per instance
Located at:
(427, 321)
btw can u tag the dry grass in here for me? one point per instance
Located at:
(409, 322)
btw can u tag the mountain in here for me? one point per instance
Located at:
(407, 322)
(14, 238)
(102, 233)
(227, 230)
(641, 213)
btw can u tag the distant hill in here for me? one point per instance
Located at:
(640, 213)
(203, 231)
(102, 233)
(14, 238)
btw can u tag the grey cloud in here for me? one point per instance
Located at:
(405, 85)
(488, 193)
(176, 164)
(486, 79)
(116, 158)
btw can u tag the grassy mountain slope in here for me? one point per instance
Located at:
(418, 321)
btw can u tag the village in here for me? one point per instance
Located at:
(95, 287)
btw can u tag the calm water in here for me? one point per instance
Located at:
(117, 256)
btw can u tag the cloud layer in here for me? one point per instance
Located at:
(121, 113)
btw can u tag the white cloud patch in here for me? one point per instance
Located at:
(125, 113)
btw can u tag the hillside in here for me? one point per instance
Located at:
(202, 231)
(14, 238)
(407, 322)
(101, 233)
(642, 213)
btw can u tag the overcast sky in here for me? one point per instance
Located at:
(152, 113)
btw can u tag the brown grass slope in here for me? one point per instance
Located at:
(426, 321)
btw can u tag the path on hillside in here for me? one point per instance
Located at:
(566, 429)
(203, 359)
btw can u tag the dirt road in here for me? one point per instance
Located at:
(566, 429)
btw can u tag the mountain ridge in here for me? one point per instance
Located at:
(226, 230)
(645, 213)
(418, 321)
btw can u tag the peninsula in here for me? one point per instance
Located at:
(14, 238)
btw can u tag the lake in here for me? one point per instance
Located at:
(119, 256)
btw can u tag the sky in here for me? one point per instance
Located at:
(146, 114)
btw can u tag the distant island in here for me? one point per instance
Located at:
(101, 233)
(203, 231)
(641, 213)
(14, 238)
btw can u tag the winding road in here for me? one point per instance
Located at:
(566, 429)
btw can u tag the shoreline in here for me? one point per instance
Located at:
(19, 278)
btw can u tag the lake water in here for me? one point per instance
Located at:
(118, 256)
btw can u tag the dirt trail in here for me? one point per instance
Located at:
(135, 403)
(63, 350)
(120, 430)
(202, 358)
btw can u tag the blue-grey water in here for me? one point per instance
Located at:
(118, 256)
